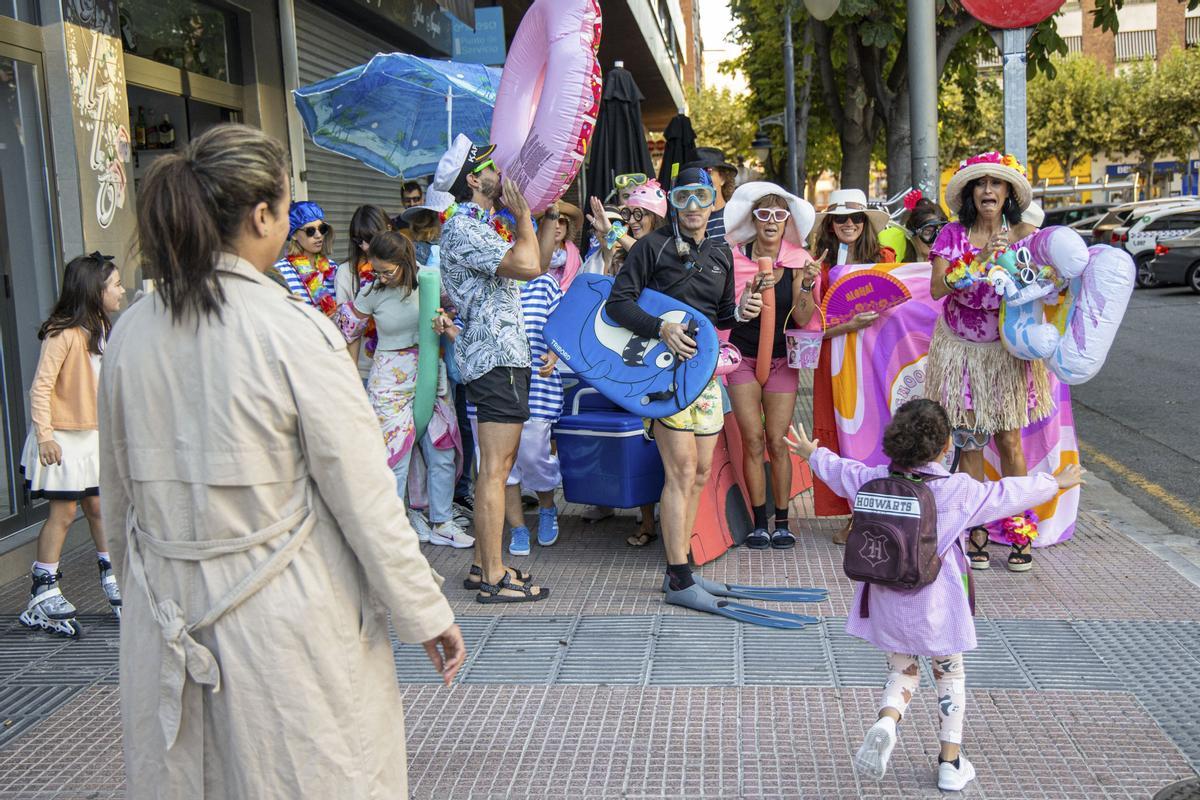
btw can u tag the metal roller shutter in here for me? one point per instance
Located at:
(327, 45)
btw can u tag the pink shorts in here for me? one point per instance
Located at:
(782, 378)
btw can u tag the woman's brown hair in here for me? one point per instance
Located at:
(865, 250)
(81, 303)
(393, 247)
(192, 206)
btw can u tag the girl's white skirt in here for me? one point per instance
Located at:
(77, 476)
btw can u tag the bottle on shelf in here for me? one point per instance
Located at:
(166, 132)
(139, 130)
(152, 134)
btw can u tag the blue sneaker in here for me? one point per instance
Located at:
(547, 526)
(519, 546)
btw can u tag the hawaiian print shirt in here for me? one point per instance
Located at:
(489, 306)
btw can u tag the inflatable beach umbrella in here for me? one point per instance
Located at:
(398, 113)
(680, 148)
(619, 144)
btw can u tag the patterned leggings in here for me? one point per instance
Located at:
(904, 676)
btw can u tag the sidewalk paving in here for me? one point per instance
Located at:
(1086, 683)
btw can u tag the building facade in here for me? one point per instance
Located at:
(96, 90)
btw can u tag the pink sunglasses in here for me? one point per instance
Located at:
(772, 214)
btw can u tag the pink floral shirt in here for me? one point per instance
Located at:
(972, 314)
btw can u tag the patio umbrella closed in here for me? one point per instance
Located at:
(680, 147)
(398, 113)
(619, 144)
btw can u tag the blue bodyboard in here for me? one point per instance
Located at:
(640, 375)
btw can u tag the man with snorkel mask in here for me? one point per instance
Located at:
(680, 261)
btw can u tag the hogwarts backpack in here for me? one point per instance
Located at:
(893, 538)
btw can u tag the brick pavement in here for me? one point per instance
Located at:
(1103, 635)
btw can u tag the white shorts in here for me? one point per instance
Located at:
(536, 468)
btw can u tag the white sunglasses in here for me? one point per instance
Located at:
(772, 214)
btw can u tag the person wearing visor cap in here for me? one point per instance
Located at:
(481, 266)
(681, 261)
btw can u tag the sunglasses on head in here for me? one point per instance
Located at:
(694, 196)
(630, 180)
(313, 230)
(772, 214)
(634, 214)
(857, 218)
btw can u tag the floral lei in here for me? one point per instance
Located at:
(1020, 529)
(366, 276)
(315, 278)
(500, 222)
(964, 272)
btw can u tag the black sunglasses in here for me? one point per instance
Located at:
(857, 218)
(312, 230)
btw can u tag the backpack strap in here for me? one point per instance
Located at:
(864, 610)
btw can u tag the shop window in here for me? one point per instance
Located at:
(197, 37)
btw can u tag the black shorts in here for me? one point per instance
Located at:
(501, 395)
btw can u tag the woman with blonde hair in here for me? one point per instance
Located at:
(764, 221)
(254, 520)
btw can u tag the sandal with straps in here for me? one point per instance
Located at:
(476, 576)
(977, 553)
(1020, 559)
(490, 592)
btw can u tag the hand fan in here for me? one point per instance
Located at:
(862, 291)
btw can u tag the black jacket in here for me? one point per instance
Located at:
(706, 285)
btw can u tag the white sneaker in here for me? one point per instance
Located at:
(450, 535)
(955, 779)
(871, 760)
(420, 525)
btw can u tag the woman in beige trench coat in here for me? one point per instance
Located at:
(254, 518)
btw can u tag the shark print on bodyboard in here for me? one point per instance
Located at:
(637, 373)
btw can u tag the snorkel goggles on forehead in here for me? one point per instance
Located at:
(693, 196)
(630, 180)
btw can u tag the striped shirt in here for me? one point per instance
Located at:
(296, 287)
(539, 298)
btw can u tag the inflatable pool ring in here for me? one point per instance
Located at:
(549, 98)
(893, 236)
(766, 326)
(1074, 335)
(429, 300)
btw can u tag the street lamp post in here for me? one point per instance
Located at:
(789, 84)
(923, 80)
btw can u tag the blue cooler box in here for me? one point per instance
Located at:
(606, 460)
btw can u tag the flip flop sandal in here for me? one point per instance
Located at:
(476, 577)
(758, 539)
(977, 554)
(1020, 559)
(490, 592)
(782, 539)
(641, 538)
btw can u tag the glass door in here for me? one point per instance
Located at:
(28, 264)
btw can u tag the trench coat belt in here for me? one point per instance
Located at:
(182, 655)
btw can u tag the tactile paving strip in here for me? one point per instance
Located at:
(1162, 668)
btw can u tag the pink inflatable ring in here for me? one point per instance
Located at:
(548, 99)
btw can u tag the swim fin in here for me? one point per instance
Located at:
(695, 597)
(777, 594)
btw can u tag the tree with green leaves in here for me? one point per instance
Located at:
(1070, 114)
(721, 119)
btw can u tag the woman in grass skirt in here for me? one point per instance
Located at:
(60, 461)
(988, 392)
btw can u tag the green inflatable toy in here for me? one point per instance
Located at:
(893, 236)
(429, 299)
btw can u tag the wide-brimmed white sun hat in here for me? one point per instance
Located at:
(739, 213)
(844, 202)
(997, 165)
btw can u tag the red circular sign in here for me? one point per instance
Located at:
(1012, 13)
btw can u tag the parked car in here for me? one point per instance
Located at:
(1142, 233)
(1178, 262)
(1069, 215)
(1084, 226)
(1120, 215)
